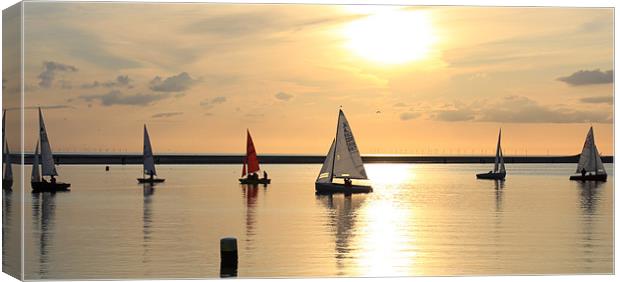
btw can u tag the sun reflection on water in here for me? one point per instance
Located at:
(386, 248)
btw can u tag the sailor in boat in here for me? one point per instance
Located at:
(53, 180)
(265, 174)
(583, 172)
(348, 183)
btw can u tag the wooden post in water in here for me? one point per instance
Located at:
(228, 257)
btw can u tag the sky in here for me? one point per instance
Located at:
(410, 79)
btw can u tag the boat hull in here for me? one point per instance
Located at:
(332, 188)
(594, 177)
(254, 181)
(492, 175)
(7, 185)
(149, 180)
(49, 187)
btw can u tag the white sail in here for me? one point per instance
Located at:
(325, 176)
(348, 162)
(35, 176)
(48, 167)
(590, 159)
(8, 170)
(499, 156)
(147, 154)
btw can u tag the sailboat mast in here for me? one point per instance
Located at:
(331, 174)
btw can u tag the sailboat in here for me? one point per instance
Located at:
(499, 170)
(148, 162)
(590, 165)
(48, 168)
(250, 165)
(342, 161)
(7, 176)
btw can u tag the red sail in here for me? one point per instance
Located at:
(251, 158)
(243, 172)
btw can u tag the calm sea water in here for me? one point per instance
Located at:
(422, 219)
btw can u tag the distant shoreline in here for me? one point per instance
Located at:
(104, 159)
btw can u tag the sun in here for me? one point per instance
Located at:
(391, 37)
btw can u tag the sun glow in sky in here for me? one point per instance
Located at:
(391, 37)
(411, 80)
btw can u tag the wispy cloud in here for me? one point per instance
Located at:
(115, 97)
(283, 96)
(209, 103)
(409, 116)
(120, 81)
(50, 69)
(519, 109)
(454, 115)
(166, 115)
(586, 77)
(598, 100)
(175, 83)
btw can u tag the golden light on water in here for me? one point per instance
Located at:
(392, 36)
(384, 174)
(386, 246)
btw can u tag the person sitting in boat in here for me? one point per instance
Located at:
(348, 182)
(151, 175)
(53, 180)
(583, 172)
(265, 174)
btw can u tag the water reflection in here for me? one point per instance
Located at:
(588, 201)
(43, 210)
(588, 196)
(147, 220)
(499, 191)
(342, 212)
(6, 222)
(250, 195)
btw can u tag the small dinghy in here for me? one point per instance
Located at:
(48, 167)
(7, 175)
(249, 174)
(590, 165)
(499, 170)
(148, 162)
(342, 161)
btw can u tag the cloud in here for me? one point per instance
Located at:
(50, 69)
(165, 115)
(283, 96)
(176, 83)
(115, 97)
(218, 100)
(585, 77)
(409, 116)
(598, 100)
(518, 109)
(400, 105)
(50, 107)
(209, 103)
(120, 81)
(454, 115)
